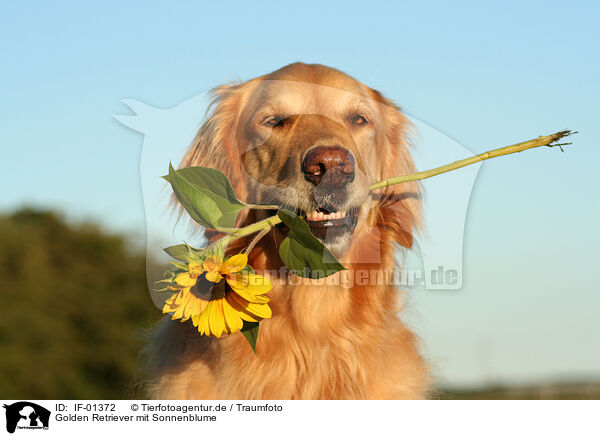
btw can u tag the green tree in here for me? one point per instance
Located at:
(74, 303)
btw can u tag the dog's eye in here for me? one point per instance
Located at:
(273, 121)
(359, 120)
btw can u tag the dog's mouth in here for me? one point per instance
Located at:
(327, 224)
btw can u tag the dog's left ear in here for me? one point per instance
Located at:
(398, 212)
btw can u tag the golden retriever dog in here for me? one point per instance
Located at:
(312, 138)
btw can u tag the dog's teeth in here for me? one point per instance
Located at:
(315, 215)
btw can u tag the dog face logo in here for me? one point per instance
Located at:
(26, 415)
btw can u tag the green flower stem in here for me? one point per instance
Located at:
(251, 206)
(265, 206)
(516, 148)
(248, 230)
(226, 229)
(257, 238)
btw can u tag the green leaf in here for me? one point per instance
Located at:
(187, 253)
(169, 277)
(302, 253)
(179, 252)
(250, 332)
(179, 266)
(218, 250)
(206, 195)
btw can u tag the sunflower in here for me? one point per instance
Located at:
(219, 295)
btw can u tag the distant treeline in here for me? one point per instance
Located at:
(589, 390)
(73, 306)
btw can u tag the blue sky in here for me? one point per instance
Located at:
(485, 74)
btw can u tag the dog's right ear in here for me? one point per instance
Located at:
(215, 144)
(398, 212)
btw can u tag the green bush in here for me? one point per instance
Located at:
(74, 302)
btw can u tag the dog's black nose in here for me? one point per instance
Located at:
(328, 165)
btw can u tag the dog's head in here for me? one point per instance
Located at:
(313, 139)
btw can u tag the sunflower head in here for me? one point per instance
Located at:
(219, 295)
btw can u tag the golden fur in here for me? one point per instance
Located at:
(324, 341)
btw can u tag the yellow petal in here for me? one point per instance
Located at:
(198, 306)
(254, 283)
(195, 269)
(172, 303)
(213, 276)
(169, 301)
(190, 307)
(216, 318)
(242, 290)
(185, 280)
(234, 264)
(180, 297)
(232, 317)
(256, 309)
(212, 263)
(202, 321)
(179, 313)
(201, 305)
(246, 316)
